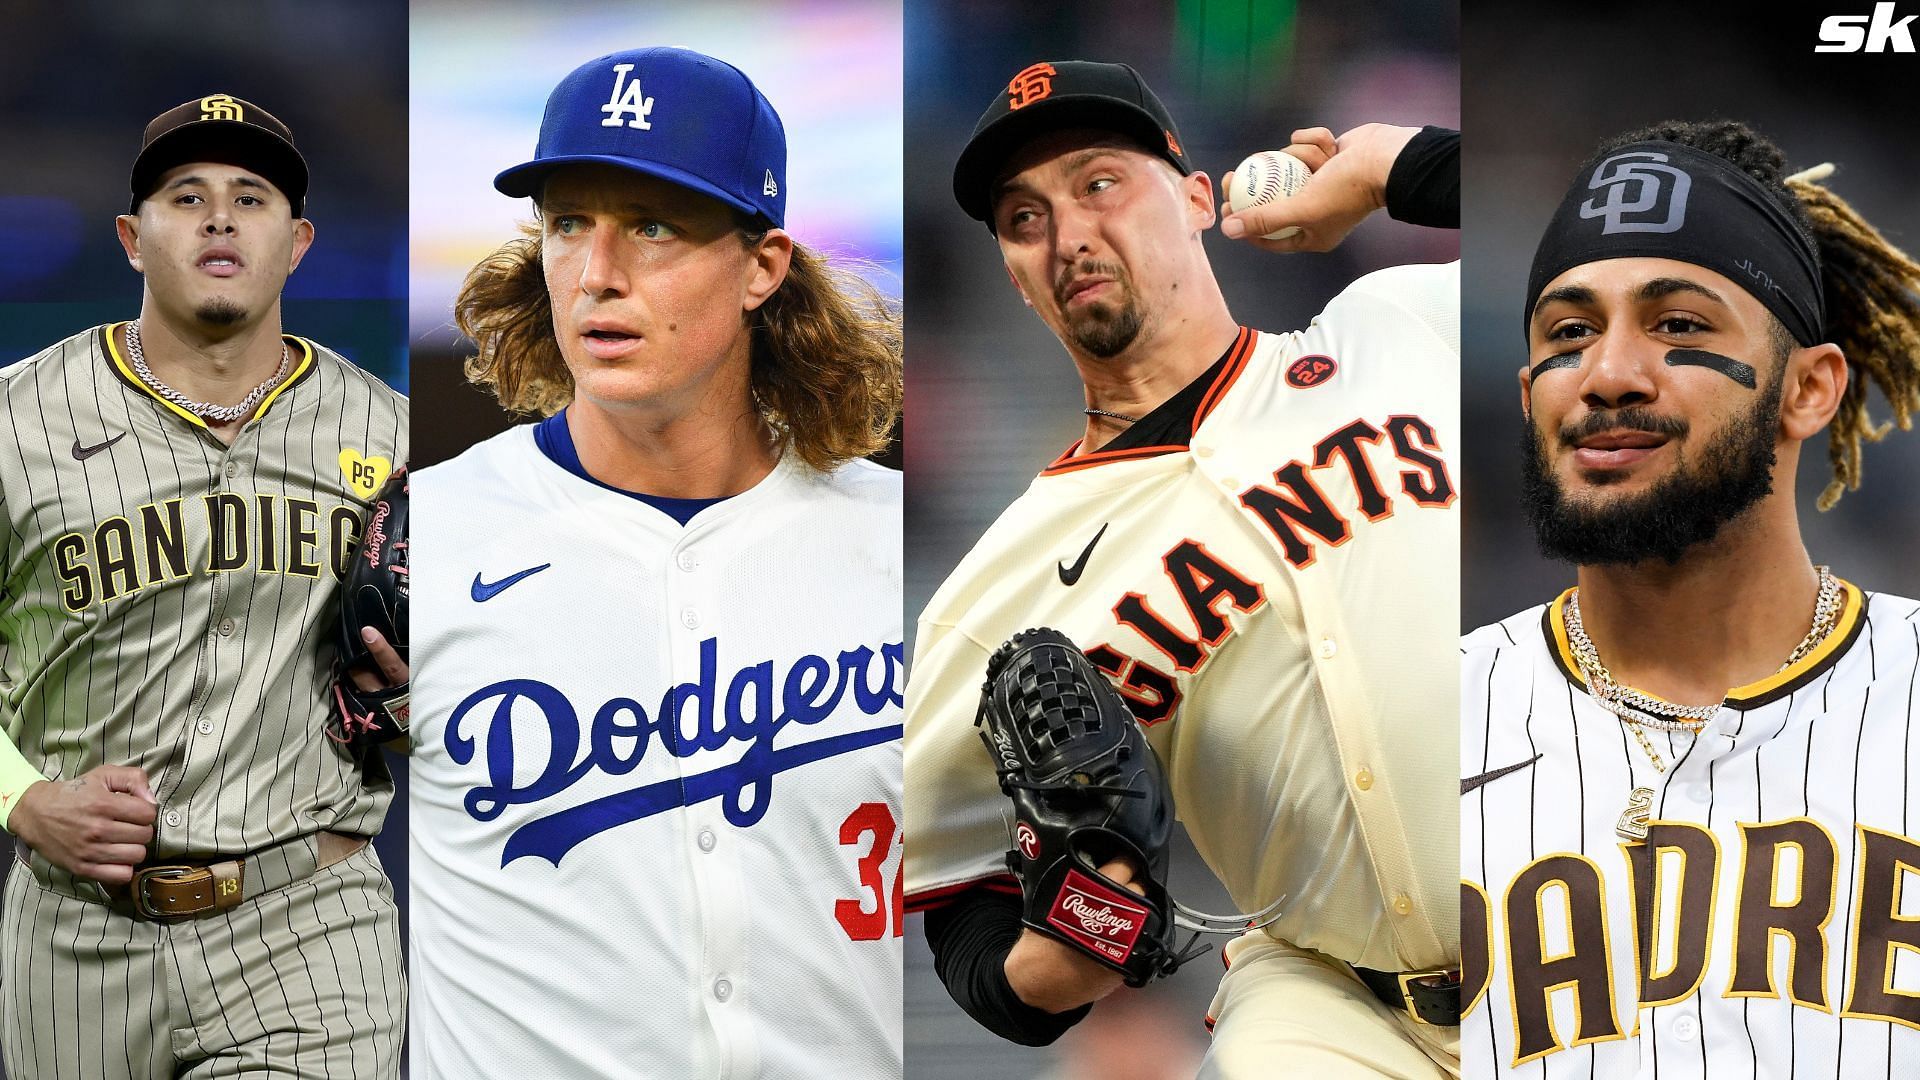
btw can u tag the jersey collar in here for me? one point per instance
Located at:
(1169, 428)
(302, 365)
(1754, 694)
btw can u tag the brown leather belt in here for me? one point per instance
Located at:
(190, 888)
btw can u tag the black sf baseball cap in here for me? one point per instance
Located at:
(225, 129)
(1051, 95)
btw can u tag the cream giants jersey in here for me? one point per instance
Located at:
(656, 776)
(1769, 923)
(1273, 601)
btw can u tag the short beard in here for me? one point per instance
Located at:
(1682, 510)
(220, 312)
(1097, 329)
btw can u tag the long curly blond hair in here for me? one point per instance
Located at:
(826, 349)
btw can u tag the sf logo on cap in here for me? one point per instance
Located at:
(1033, 83)
(626, 99)
(1640, 196)
(220, 107)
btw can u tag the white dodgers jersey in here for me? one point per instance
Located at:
(656, 776)
(1273, 601)
(1769, 923)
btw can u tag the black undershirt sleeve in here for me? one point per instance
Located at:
(971, 937)
(1423, 187)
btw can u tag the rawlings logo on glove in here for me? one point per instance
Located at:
(1086, 789)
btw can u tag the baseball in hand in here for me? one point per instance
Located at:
(1263, 178)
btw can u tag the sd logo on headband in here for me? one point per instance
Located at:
(1640, 196)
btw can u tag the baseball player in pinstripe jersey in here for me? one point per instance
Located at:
(1665, 876)
(194, 894)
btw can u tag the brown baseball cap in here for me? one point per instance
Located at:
(222, 128)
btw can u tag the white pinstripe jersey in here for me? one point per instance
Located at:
(656, 776)
(1272, 601)
(1769, 926)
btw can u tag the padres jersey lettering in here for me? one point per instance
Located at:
(665, 759)
(166, 589)
(1761, 925)
(1256, 598)
(168, 597)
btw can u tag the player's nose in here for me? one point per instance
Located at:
(1075, 233)
(1619, 369)
(603, 272)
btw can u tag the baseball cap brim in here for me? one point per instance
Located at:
(525, 181)
(987, 152)
(229, 143)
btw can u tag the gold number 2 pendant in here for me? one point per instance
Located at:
(1632, 825)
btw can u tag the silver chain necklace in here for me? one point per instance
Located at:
(1639, 707)
(1110, 415)
(1640, 710)
(225, 414)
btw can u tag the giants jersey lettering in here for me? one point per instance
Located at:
(1272, 600)
(656, 776)
(1769, 924)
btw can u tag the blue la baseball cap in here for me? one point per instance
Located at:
(669, 113)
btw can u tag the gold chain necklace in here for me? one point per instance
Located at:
(1640, 710)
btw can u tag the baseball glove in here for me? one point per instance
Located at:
(374, 594)
(1086, 789)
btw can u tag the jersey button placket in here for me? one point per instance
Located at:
(688, 583)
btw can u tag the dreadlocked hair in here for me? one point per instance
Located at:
(825, 351)
(1872, 288)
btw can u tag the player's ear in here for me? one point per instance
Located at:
(302, 240)
(1813, 383)
(127, 227)
(1198, 188)
(770, 259)
(1526, 390)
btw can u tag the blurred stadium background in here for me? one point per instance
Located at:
(992, 397)
(78, 82)
(481, 74)
(1542, 87)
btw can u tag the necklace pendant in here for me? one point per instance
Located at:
(1632, 825)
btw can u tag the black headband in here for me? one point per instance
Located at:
(1667, 201)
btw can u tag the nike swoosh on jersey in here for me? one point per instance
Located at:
(483, 591)
(1071, 574)
(1472, 782)
(82, 453)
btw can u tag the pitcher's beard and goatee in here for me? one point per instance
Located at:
(1105, 330)
(1679, 511)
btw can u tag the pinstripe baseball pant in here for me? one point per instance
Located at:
(304, 981)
